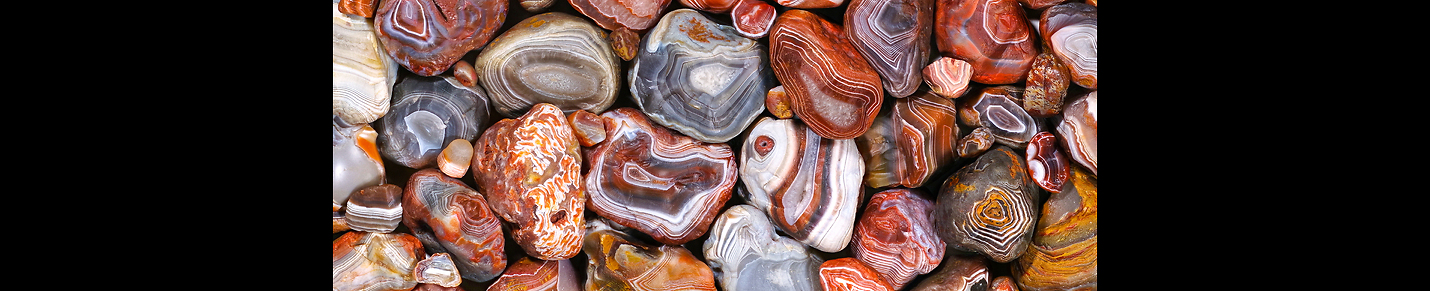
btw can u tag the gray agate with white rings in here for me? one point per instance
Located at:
(427, 114)
(746, 254)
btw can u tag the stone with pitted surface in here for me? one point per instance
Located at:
(530, 170)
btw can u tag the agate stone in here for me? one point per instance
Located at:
(809, 185)
(948, 77)
(1063, 255)
(753, 18)
(908, 144)
(987, 207)
(438, 269)
(994, 36)
(746, 253)
(893, 35)
(375, 208)
(375, 261)
(356, 162)
(449, 217)
(895, 236)
(552, 58)
(1047, 85)
(831, 87)
(1047, 165)
(848, 274)
(1077, 131)
(1071, 30)
(614, 14)
(619, 261)
(427, 37)
(999, 109)
(363, 72)
(537, 275)
(530, 169)
(975, 143)
(428, 113)
(958, 273)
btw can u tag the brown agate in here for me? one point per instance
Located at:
(435, 287)
(831, 87)
(624, 43)
(340, 222)
(465, 73)
(1047, 85)
(612, 14)
(975, 143)
(778, 102)
(619, 261)
(1040, 4)
(994, 36)
(958, 273)
(986, 206)
(589, 128)
(375, 261)
(893, 35)
(911, 142)
(809, 186)
(451, 218)
(712, 6)
(1064, 251)
(530, 168)
(375, 208)
(849, 274)
(1046, 163)
(537, 275)
(1071, 30)
(895, 236)
(357, 7)
(1077, 131)
(948, 77)
(753, 18)
(552, 57)
(426, 37)
(1001, 111)
(536, 5)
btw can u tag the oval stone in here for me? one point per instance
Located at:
(530, 169)
(896, 237)
(1071, 30)
(427, 37)
(987, 207)
(831, 87)
(449, 217)
(809, 185)
(428, 114)
(998, 109)
(552, 58)
(994, 36)
(893, 35)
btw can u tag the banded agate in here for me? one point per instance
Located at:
(356, 161)
(893, 35)
(948, 77)
(1040, 4)
(999, 110)
(848, 274)
(1064, 251)
(699, 77)
(618, 261)
(1077, 131)
(712, 6)
(536, 5)
(896, 237)
(438, 269)
(427, 37)
(1071, 30)
(456, 158)
(994, 36)
(449, 217)
(537, 275)
(808, 4)
(552, 58)
(375, 261)
(975, 143)
(987, 207)
(746, 253)
(588, 128)
(1047, 165)
(428, 114)
(613, 14)
(958, 273)
(362, 8)
(1003, 283)
(809, 185)
(363, 72)
(375, 208)
(831, 87)
(909, 143)
(753, 18)
(530, 169)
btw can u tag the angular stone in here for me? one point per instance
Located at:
(810, 186)
(699, 77)
(438, 269)
(613, 14)
(356, 161)
(624, 43)
(909, 143)
(778, 103)
(1077, 131)
(987, 207)
(552, 58)
(893, 35)
(746, 253)
(1071, 30)
(831, 87)
(846, 274)
(1064, 251)
(375, 208)
(363, 72)
(530, 168)
(375, 261)
(1047, 165)
(958, 273)
(427, 37)
(449, 217)
(948, 77)
(427, 114)
(621, 262)
(456, 158)
(975, 143)
(999, 109)
(753, 18)
(994, 36)
(537, 275)
(896, 237)
(589, 128)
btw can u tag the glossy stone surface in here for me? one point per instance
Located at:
(619, 261)
(363, 72)
(994, 36)
(434, 287)
(450, 217)
(612, 14)
(1047, 164)
(466, 74)
(656, 181)
(356, 163)
(712, 6)
(909, 143)
(948, 77)
(1071, 30)
(846, 274)
(1003, 283)
(831, 87)
(340, 222)
(427, 114)
(530, 168)
(588, 128)
(807, 4)
(753, 18)
(375, 208)
(552, 58)
(426, 37)
(986, 206)
(536, 5)
(893, 35)
(958, 273)
(998, 109)
(1064, 251)
(809, 186)
(700, 78)
(624, 43)
(1077, 131)
(895, 236)
(438, 269)
(975, 143)
(746, 253)
(456, 158)
(1047, 85)
(528, 274)
(777, 102)
(360, 8)
(375, 261)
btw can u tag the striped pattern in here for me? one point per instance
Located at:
(894, 36)
(807, 4)
(958, 273)
(363, 72)
(375, 208)
(429, 113)
(995, 108)
(620, 262)
(449, 216)
(746, 253)
(809, 185)
(753, 18)
(437, 269)
(927, 128)
(994, 36)
(1071, 30)
(1064, 251)
(530, 169)
(613, 14)
(427, 37)
(987, 207)
(537, 275)
(831, 87)
(552, 58)
(1047, 165)
(375, 261)
(896, 237)
(848, 274)
(1077, 132)
(948, 77)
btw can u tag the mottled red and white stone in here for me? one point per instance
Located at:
(1077, 131)
(831, 87)
(636, 15)
(746, 253)
(528, 274)
(438, 269)
(896, 236)
(449, 217)
(908, 144)
(948, 77)
(712, 6)
(427, 37)
(994, 36)
(375, 261)
(777, 102)
(1047, 164)
(809, 185)
(975, 143)
(847, 274)
(530, 168)
(589, 128)
(753, 18)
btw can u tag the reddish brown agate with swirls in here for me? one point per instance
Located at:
(896, 236)
(1047, 164)
(357, 7)
(850, 274)
(618, 261)
(893, 35)
(948, 77)
(449, 217)
(831, 87)
(613, 14)
(910, 143)
(373, 261)
(712, 6)
(530, 170)
(753, 18)
(659, 182)
(994, 36)
(427, 37)
(537, 275)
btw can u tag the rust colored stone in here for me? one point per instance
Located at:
(624, 42)
(712, 6)
(619, 261)
(994, 36)
(465, 73)
(1041, 4)
(975, 143)
(948, 77)
(449, 217)
(1070, 29)
(1047, 85)
(537, 275)
(831, 87)
(778, 103)
(530, 169)
(1047, 164)
(895, 236)
(850, 274)
(612, 14)
(427, 37)
(1003, 283)
(753, 18)
(589, 128)
(362, 8)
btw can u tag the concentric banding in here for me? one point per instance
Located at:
(745, 253)
(363, 72)
(848, 274)
(1005, 118)
(614, 14)
(809, 185)
(375, 208)
(550, 58)
(987, 207)
(893, 35)
(427, 37)
(896, 237)
(1077, 132)
(620, 262)
(450, 217)
(831, 87)
(537, 275)
(1071, 30)
(428, 114)
(375, 261)
(994, 36)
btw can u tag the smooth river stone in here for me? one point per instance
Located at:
(1064, 251)
(1047, 85)
(958, 273)
(340, 222)
(1047, 164)
(363, 72)
(1003, 283)
(909, 143)
(746, 253)
(438, 269)
(536, 5)
(831, 87)
(612, 14)
(848, 274)
(948, 77)
(530, 168)
(375, 208)
(895, 236)
(450, 217)
(1077, 131)
(465, 73)
(712, 6)
(618, 261)
(994, 36)
(975, 143)
(361, 8)
(356, 162)
(699, 77)
(753, 18)
(656, 181)
(1071, 30)
(987, 207)
(428, 114)
(893, 35)
(777, 102)
(807, 4)
(537, 275)
(426, 37)
(552, 58)
(999, 109)
(589, 128)
(810, 186)
(456, 158)
(372, 261)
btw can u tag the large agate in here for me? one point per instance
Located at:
(451, 218)
(746, 253)
(552, 58)
(653, 180)
(988, 206)
(618, 261)
(907, 144)
(809, 185)
(1077, 131)
(1071, 30)
(893, 35)
(613, 14)
(363, 73)
(428, 114)
(1064, 251)
(994, 36)
(375, 208)
(848, 274)
(427, 37)
(958, 273)
(831, 87)
(896, 237)
(530, 170)
(699, 77)
(999, 110)
(356, 162)
(372, 261)
(537, 275)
